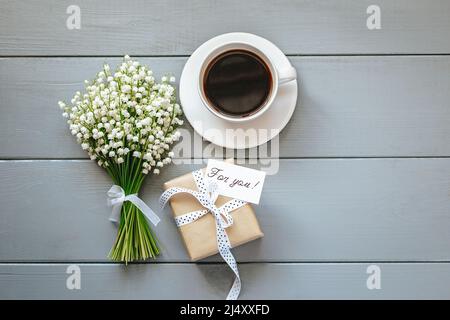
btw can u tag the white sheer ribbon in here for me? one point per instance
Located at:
(116, 198)
(207, 196)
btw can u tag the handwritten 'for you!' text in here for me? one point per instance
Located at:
(216, 173)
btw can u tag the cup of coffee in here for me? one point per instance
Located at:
(238, 82)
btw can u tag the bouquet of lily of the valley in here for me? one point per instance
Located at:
(127, 122)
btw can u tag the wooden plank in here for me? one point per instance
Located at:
(311, 210)
(347, 106)
(212, 281)
(43, 83)
(177, 27)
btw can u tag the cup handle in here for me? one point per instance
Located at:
(286, 75)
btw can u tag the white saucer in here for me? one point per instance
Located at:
(214, 129)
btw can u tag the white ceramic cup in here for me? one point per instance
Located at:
(279, 77)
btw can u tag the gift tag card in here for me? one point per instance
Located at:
(236, 181)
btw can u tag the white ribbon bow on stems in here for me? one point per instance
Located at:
(207, 195)
(116, 198)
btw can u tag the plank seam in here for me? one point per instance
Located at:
(260, 158)
(223, 263)
(188, 55)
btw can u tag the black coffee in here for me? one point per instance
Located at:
(237, 83)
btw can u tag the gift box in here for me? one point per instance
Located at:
(200, 236)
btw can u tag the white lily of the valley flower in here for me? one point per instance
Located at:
(125, 111)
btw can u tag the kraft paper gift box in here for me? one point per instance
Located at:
(200, 236)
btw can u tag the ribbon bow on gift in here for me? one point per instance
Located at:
(207, 195)
(116, 198)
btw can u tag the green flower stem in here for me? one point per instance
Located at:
(135, 240)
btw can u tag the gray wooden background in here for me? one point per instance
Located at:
(365, 161)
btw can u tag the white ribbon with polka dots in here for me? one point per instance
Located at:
(207, 195)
